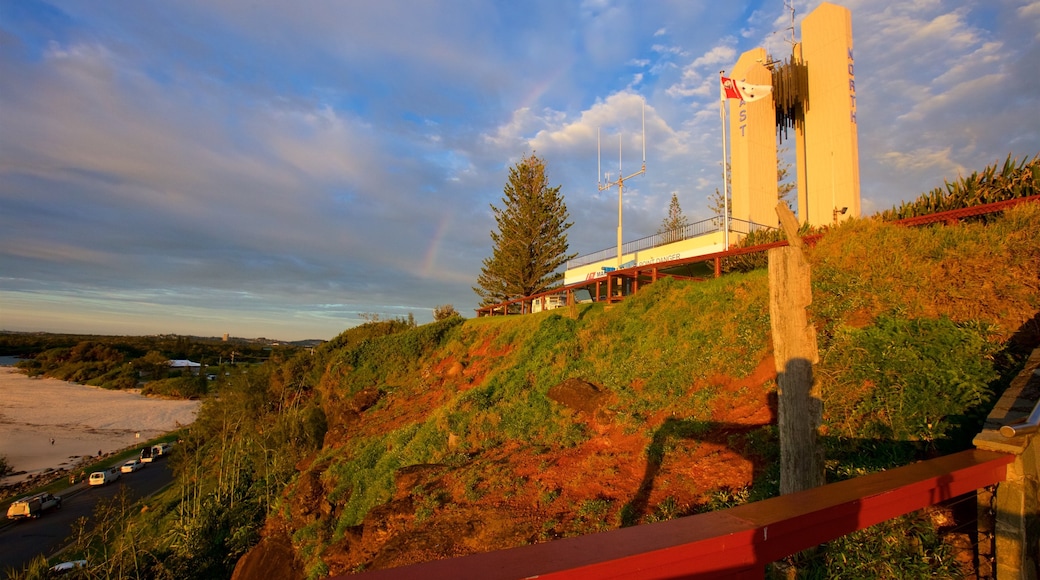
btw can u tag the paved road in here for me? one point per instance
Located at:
(23, 540)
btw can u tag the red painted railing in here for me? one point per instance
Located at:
(734, 543)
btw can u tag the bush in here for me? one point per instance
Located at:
(444, 311)
(189, 387)
(908, 380)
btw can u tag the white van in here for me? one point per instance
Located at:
(103, 477)
(160, 450)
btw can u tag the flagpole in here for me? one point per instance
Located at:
(725, 170)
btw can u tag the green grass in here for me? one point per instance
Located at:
(909, 359)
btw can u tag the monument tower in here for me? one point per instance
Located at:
(815, 94)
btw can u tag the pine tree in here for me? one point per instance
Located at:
(531, 241)
(672, 226)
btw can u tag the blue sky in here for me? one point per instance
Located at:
(282, 169)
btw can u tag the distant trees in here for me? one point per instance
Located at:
(673, 223)
(530, 243)
(444, 311)
(122, 362)
(154, 365)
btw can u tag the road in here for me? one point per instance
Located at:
(21, 541)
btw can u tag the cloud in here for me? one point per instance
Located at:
(699, 77)
(283, 168)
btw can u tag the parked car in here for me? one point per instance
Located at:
(32, 506)
(103, 477)
(150, 454)
(161, 450)
(131, 466)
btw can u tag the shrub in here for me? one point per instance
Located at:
(444, 311)
(908, 380)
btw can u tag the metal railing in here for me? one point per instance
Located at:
(739, 226)
(689, 231)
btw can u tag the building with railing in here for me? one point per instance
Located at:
(693, 240)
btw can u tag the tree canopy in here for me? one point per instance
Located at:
(530, 243)
(673, 223)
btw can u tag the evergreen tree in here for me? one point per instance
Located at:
(531, 241)
(672, 226)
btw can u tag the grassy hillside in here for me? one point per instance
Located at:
(395, 444)
(675, 416)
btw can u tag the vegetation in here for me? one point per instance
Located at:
(672, 225)
(121, 362)
(530, 243)
(395, 442)
(444, 311)
(1015, 179)
(229, 466)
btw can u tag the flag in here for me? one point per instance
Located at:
(753, 92)
(734, 89)
(729, 89)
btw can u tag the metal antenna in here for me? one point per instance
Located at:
(789, 5)
(620, 182)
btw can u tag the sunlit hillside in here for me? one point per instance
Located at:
(467, 436)
(395, 443)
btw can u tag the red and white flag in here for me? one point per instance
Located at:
(734, 89)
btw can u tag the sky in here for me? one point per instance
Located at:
(290, 169)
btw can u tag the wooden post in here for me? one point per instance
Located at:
(1009, 517)
(799, 402)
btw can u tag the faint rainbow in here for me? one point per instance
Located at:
(530, 98)
(542, 86)
(430, 259)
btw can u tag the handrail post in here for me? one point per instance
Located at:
(1008, 550)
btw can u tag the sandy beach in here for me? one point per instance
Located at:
(51, 424)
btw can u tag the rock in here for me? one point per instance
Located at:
(408, 478)
(365, 399)
(578, 395)
(272, 558)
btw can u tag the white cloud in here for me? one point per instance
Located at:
(347, 154)
(696, 79)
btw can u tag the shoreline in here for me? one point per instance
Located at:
(49, 425)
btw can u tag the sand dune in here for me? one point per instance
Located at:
(80, 420)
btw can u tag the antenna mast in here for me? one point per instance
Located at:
(620, 182)
(789, 5)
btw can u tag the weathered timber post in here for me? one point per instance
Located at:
(799, 402)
